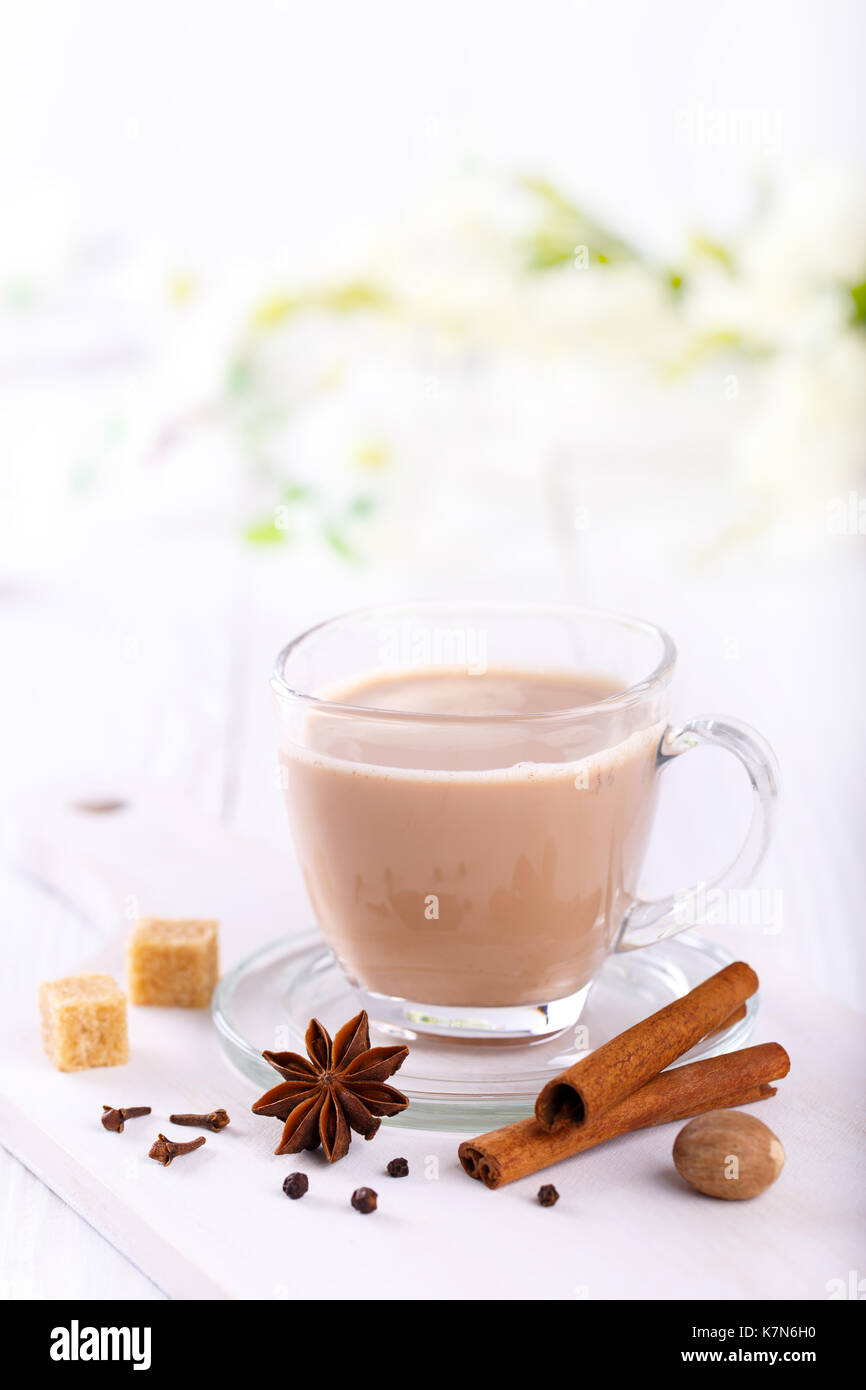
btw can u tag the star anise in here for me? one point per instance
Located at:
(341, 1088)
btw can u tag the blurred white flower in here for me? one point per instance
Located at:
(811, 232)
(496, 321)
(807, 439)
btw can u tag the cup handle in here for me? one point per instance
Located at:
(646, 921)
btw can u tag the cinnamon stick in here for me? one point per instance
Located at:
(728, 1023)
(715, 1083)
(598, 1082)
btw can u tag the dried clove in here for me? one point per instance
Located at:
(114, 1118)
(216, 1120)
(164, 1150)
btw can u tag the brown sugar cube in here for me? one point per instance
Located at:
(84, 1022)
(172, 963)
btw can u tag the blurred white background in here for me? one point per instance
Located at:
(305, 306)
(227, 132)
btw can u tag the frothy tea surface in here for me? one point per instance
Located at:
(471, 864)
(468, 747)
(493, 692)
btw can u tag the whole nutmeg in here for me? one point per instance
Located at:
(728, 1154)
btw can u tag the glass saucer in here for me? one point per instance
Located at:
(455, 1083)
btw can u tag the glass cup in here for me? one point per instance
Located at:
(472, 871)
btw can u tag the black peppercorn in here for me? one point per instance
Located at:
(364, 1199)
(296, 1185)
(398, 1168)
(548, 1195)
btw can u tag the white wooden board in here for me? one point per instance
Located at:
(217, 1224)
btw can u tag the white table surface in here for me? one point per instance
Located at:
(129, 694)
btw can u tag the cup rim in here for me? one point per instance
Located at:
(630, 695)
